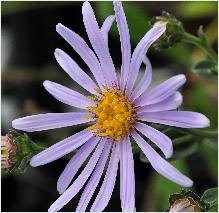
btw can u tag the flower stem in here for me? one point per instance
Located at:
(189, 38)
(200, 133)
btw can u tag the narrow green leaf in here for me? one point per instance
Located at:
(205, 68)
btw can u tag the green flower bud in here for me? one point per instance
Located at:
(173, 33)
(16, 151)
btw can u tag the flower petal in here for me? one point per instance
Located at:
(145, 81)
(95, 178)
(170, 103)
(151, 36)
(162, 166)
(81, 47)
(157, 137)
(67, 96)
(74, 71)
(50, 121)
(106, 189)
(98, 43)
(75, 163)
(61, 148)
(161, 92)
(184, 119)
(106, 27)
(125, 42)
(79, 182)
(127, 176)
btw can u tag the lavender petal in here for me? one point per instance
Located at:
(184, 119)
(159, 164)
(157, 137)
(125, 42)
(161, 92)
(94, 180)
(67, 96)
(145, 81)
(75, 163)
(98, 43)
(79, 182)
(81, 47)
(50, 121)
(170, 103)
(106, 189)
(127, 176)
(74, 71)
(61, 148)
(106, 27)
(151, 36)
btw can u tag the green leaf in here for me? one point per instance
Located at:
(205, 68)
(210, 196)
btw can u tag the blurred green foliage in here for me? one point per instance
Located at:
(197, 9)
(11, 7)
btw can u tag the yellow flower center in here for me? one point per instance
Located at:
(114, 114)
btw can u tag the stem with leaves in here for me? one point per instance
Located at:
(202, 43)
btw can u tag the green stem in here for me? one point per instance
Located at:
(187, 37)
(182, 140)
(200, 133)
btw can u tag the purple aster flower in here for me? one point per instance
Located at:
(116, 111)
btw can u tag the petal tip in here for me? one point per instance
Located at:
(86, 4)
(57, 51)
(59, 26)
(169, 153)
(60, 189)
(205, 121)
(46, 83)
(33, 162)
(181, 77)
(14, 123)
(188, 183)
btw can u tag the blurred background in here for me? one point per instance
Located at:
(28, 41)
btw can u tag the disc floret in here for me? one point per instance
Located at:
(114, 114)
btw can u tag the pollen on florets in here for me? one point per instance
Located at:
(114, 114)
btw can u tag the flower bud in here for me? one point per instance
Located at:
(186, 201)
(8, 148)
(16, 151)
(173, 33)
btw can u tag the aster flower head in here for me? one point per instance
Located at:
(116, 110)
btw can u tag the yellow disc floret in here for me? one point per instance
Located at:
(114, 114)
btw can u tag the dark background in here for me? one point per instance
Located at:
(28, 43)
